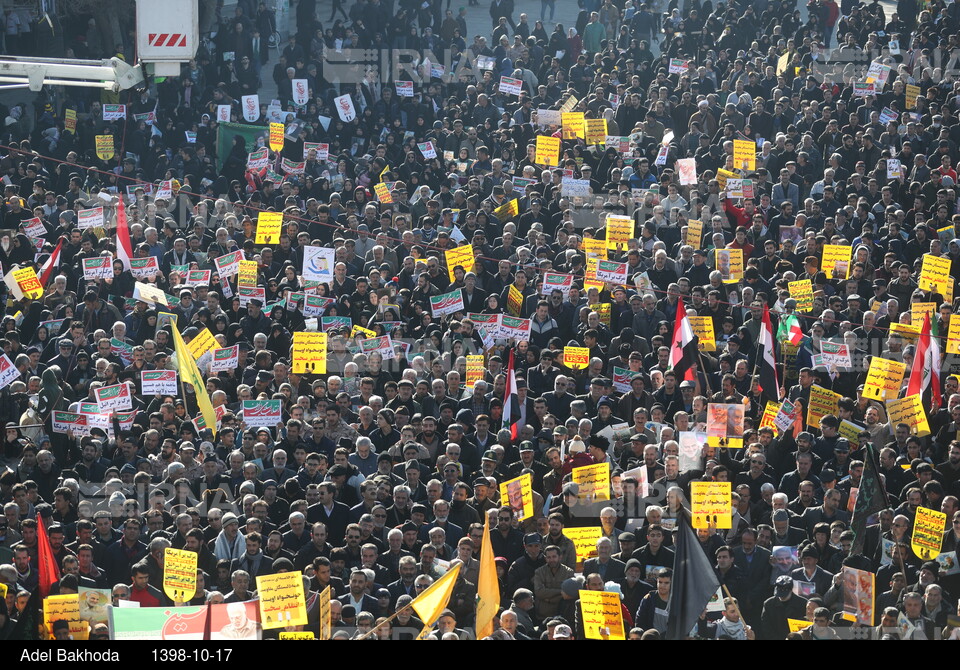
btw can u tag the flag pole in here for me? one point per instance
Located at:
(737, 606)
(387, 620)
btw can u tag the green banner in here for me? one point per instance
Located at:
(226, 132)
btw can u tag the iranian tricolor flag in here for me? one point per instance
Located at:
(511, 402)
(926, 363)
(124, 248)
(790, 329)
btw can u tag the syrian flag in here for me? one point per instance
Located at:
(51, 264)
(789, 330)
(683, 351)
(511, 402)
(926, 364)
(766, 362)
(124, 248)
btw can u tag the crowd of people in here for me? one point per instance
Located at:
(378, 474)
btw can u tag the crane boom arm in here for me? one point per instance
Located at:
(110, 73)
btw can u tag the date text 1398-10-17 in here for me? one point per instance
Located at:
(196, 655)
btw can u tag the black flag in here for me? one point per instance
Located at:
(871, 499)
(694, 582)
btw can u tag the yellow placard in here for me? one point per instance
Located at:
(909, 410)
(723, 176)
(603, 310)
(268, 227)
(783, 62)
(576, 358)
(514, 300)
(694, 234)
(276, 136)
(710, 504)
(179, 574)
(64, 608)
(202, 343)
(802, 291)
(594, 248)
(729, 262)
(884, 379)
(360, 330)
(572, 123)
(744, 155)
(309, 353)
(298, 635)
(28, 283)
(702, 327)
(462, 256)
(104, 147)
(934, 273)
(928, 527)
(517, 493)
(548, 150)
(769, 414)
(836, 260)
(911, 91)
(595, 130)
(70, 120)
(594, 482)
(601, 615)
(383, 193)
(619, 231)
(797, 625)
(507, 210)
(585, 540)
(725, 425)
(569, 104)
(593, 283)
(822, 402)
(282, 602)
(150, 293)
(953, 336)
(851, 431)
(475, 369)
(323, 610)
(920, 309)
(907, 331)
(248, 273)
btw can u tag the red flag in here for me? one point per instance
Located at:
(49, 570)
(51, 264)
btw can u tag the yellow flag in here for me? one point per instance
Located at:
(190, 374)
(429, 604)
(384, 171)
(488, 587)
